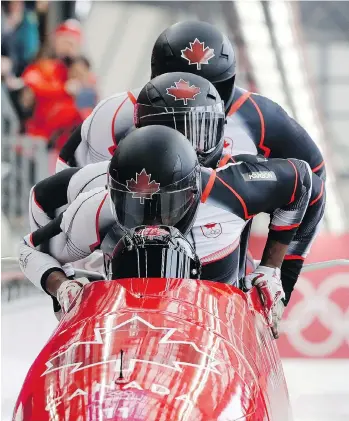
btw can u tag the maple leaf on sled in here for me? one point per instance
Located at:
(183, 91)
(197, 53)
(142, 188)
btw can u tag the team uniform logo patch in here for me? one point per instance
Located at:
(260, 176)
(182, 91)
(211, 230)
(197, 53)
(142, 188)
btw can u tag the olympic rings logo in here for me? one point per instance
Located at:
(317, 304)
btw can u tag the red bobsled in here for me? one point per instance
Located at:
(158, 350)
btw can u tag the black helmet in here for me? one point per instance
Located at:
(154, 179)
(189, 104)
(200, 48)
(153, 252)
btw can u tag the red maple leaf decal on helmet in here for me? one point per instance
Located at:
(183, 91)
(197, 53)
(142, 188)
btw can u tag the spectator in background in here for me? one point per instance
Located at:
(19, 45)
(50, 91)
(83, 82)
(19, 36)
(40, 7)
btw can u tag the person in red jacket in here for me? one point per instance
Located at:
(48, 85)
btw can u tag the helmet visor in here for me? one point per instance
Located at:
(144, 202)
(202, 126)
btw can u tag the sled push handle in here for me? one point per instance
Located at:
(97, 276)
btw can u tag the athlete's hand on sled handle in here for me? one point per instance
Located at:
(68, 291)
(64, 289)
(268, 282)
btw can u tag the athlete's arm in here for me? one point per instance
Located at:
(46, 273)
(273, 254)
(279, 187)
(37, 265)
(77, 233)
(287, 217)
(285, 138)
(66, 156)
(282, 188)
(78, 139)
(53, 281)
(95, 139)
(304, 237)
(75, 149)
(300, 246)
(61, 189)
(47, 196)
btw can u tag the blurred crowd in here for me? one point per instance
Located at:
(47, 77)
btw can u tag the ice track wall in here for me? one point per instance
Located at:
(26, 325)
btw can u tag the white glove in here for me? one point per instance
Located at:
(68, 291)
(268, 282)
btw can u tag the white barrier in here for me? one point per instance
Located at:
(25, 161)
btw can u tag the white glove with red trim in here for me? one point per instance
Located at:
(268, 282)
(68, 291)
